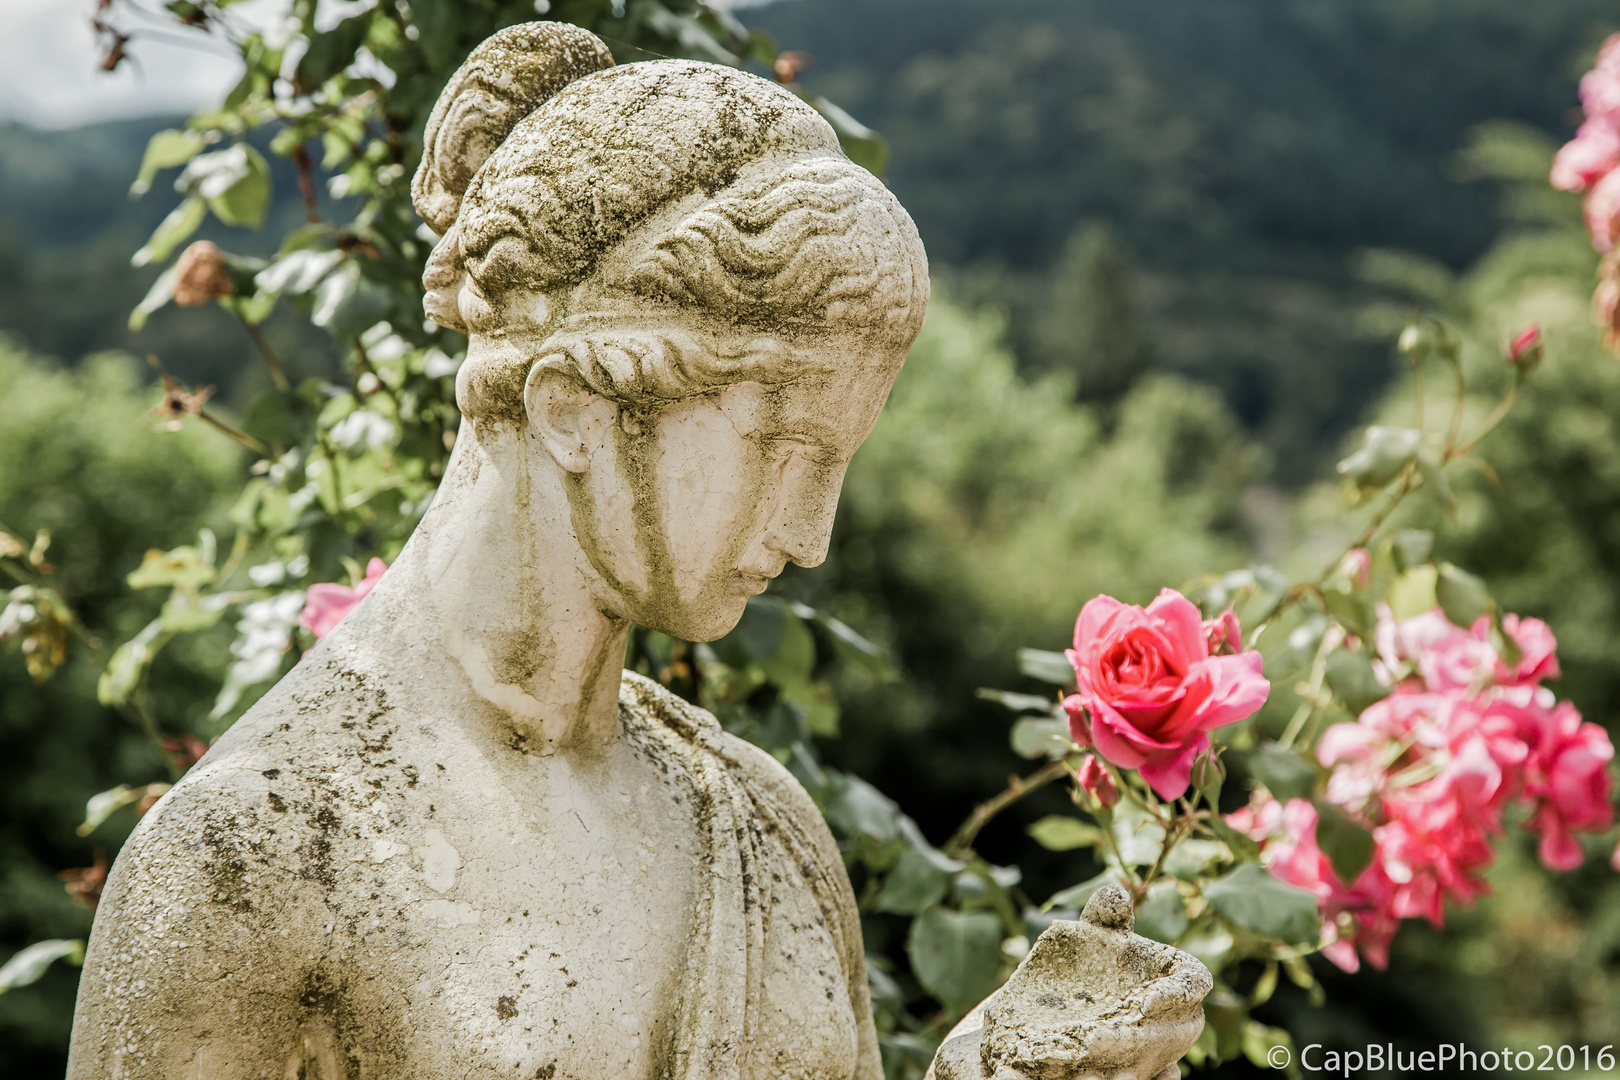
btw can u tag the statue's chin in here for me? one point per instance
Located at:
(710, 621)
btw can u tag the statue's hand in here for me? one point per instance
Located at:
(1091, 1000)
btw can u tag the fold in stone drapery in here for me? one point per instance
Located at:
(740, 820)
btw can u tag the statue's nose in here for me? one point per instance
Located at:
(801, 527)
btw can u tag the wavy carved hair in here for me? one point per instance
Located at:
(679, 186)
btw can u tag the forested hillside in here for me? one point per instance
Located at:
(1242, 153)
(1238, 154)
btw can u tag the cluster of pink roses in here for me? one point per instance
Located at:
(1589, 163)
(1153, 683)
(1431, 769)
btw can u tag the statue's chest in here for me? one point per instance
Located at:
(572, 933)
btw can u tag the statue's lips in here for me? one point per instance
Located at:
(752, 584)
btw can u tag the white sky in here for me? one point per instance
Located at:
(49, 63)
(49, 67)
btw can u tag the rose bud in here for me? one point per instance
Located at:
(1208, 773)
(1096, 782)
(1224, 634)
(1357, 567)
(1527, 349)
(1079, 723)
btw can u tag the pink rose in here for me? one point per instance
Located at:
(1446, 657)
(1152, 688)
(326, 604)
(1094, 778)
(1538, 652)
(1586, 158)
(1600, 94)
(1601, 207)
(1569, 776)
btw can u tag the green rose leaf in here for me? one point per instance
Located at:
(28, 965)
(1462, 596)
(1051, 667)
(1384, 452)
(793, 658)
(165, 150)
(757, 635)
(234, 182)
(1353, 611)
(1253, 900)
(128, 663)
(849, 644)
(956, 955)
(1162, 915)
(1286, 773)
(919, 880)
(1350, 676)
(1055, 832)
(855, 807)
(1043, 736)
(161, 292)
(1412, 547)
(172, 231)
(185, 567)
(1345, 841)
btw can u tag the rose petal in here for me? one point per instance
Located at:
(1171, 776)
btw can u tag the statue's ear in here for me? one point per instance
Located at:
(570, 418)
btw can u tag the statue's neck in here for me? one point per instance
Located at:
(493, 588)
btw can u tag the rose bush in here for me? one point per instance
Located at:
(1431, 771)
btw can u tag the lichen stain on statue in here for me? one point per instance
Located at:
(457, 840)
(1091, 1001)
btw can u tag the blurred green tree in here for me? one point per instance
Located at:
(1092, 324)
(85, 463)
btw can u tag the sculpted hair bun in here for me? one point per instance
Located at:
(506, 78)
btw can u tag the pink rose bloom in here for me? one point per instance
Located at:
(1430, 852)
(326, 604)
(1444, 656)
(1094, 778)
(1600, 95)
(1586, 158)
(1602, 206)
(1570, 781)
(1152, 688)
(1538, 652)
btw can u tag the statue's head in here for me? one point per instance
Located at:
(678, 289)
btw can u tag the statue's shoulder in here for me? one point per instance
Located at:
(278, 797)
(644, 704)
(651, 712)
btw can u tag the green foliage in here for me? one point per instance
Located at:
(1091, 324)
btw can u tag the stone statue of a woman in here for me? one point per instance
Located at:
(457, 841)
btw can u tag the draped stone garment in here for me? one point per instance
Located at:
(349, 887)
(762, 838)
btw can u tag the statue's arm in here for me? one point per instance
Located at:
(181, 979)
